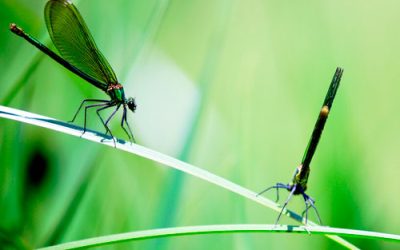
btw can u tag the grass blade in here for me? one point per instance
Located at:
(218, 229)
(56, 125)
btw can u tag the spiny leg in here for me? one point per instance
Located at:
(111, 116)
(316, 212)
(306, 210)
(105, 124)
(131, 137)
(277, 186)
(104, 105)
(286, 202)
(83, 102)
(310, 203)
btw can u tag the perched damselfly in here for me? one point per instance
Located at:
(298, 185)
(79, 54)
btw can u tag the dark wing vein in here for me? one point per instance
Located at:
(73, 40)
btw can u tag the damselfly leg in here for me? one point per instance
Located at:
(298, 185)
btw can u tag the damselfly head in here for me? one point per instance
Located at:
(131, 104)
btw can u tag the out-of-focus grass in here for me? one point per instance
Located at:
(274, 66)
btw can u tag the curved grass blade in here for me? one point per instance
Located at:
(56, 125)
(222, 229)
(73, 40)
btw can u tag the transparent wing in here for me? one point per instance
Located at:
(73, 40)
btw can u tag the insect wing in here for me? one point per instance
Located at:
(73, 40)
(319, 125)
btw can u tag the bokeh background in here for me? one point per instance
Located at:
(233, 87)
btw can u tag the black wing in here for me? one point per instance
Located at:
(73, 40)
(323, 116)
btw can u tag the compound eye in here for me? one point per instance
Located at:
(131, 104)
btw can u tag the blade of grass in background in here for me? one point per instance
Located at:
(274, 55)
(151, 30)
(24, 77)
(66, 218)
(64, 127)
(172, 194)
(12, 226)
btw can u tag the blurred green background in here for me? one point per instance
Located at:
(233, 87)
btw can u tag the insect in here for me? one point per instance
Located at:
(79, 54)
(298, 185)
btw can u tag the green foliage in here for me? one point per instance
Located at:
(231, 86)
(149, 154)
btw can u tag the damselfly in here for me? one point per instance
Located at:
(298, 185)
(79, 54)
